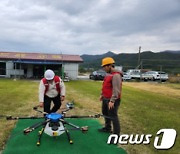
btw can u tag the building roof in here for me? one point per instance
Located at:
(39, 57)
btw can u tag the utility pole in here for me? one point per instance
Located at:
(62, 68)
(160, 73)
(15, 71)
(139, 56)
(19, 66)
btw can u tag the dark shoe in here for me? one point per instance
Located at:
(104, 129)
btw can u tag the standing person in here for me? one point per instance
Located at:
(111, 96)
(51, 88)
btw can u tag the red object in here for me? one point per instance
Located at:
(57, 82)
(107, 85)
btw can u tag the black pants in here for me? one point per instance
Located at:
(112, 113)
(47, 104)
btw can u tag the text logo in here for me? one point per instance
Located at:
(168, 139)
(166, 142)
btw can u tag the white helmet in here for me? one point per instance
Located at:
(49, 74)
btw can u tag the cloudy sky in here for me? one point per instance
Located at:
(89, 26)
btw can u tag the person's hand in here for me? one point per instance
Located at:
(41, 104)
(110, 105)
(62, 98)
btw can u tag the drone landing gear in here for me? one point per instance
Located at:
(40, 135)
(68, 135)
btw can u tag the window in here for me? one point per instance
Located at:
(2, 68)
(17, 66)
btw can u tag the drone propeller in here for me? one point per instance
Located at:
(108, 117)
(36, 109)
(89, 116)
(84, 129)
(3, 116)
(69, 106)
(10, 117)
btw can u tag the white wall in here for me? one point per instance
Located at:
(71, 69)
(11, 71)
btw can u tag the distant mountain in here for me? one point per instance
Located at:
(165, 60)
(172, 51)
(88, 58)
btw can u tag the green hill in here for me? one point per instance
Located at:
(168, 61)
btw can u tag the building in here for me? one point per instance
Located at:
(33, 65)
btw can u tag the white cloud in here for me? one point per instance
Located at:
(83, 26)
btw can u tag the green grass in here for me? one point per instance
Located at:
(140, 111)
(16, 98)
(150, 112)
(173, 85)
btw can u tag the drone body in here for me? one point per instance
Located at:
(54, 127)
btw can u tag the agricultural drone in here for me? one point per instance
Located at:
(54, 124)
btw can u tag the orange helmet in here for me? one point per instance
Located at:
(107, 61)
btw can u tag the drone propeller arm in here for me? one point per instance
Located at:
(89, 116)
(9, 117)
(17, 118)
(3, 116)
(70, 124)
(35, 126)
(83, 128)
(64, 112)
(107, 117)
(36, 109)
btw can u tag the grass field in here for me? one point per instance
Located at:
(145, 107)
